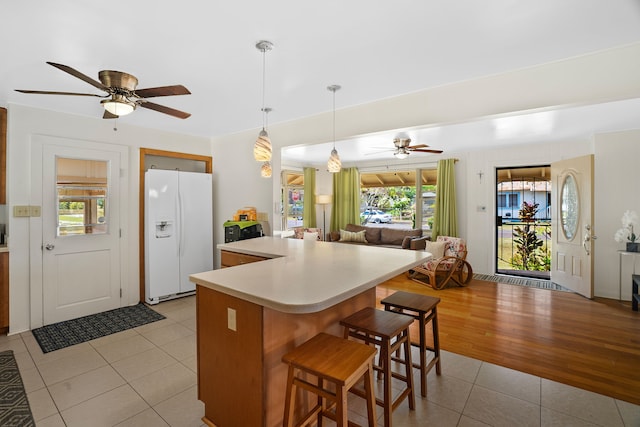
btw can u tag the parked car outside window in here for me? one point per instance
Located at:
(374, 215)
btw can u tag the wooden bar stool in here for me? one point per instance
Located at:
(335, 360)
(423, 308)
(389, 331)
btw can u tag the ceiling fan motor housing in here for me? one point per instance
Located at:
(118, 79)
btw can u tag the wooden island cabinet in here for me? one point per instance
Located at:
(4, 292)
(250, 315)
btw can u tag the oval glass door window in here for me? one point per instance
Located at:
(570, 208)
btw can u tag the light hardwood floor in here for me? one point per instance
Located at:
(561, 336)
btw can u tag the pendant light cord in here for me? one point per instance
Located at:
(264, 82)
(334, 119)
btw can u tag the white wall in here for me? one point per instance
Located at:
(617, 162)
(26, 122)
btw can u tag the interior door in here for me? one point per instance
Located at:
(572, 224)
(81, 232)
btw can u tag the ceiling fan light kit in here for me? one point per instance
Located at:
(118, 105)
(401, 154)
(262, 149)
(334, 164)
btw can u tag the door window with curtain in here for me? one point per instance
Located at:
(292, 199)
(82, 193)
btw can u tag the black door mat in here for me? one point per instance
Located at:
(87, 328)
(521, 281)
(14, 406)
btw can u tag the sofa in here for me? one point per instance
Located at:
(380, 236)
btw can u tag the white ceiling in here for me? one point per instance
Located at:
(375, 50)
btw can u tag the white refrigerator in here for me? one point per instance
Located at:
(178, 232)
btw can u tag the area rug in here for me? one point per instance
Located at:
(14, 406)
(76, 331)
(521, 281)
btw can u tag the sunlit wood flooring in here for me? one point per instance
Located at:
(561, 336)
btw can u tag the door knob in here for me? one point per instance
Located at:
(49, 247)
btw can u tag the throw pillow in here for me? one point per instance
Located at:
(406, 242)
(311, 236)
(436, 248)
(350, 236)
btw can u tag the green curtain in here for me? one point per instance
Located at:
(445, 222)
(309, 207)
(346, 198)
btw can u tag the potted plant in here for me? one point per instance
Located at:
(626, 233)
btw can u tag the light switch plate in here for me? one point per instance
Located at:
(20, 211)
(231, 318)
(34, 211)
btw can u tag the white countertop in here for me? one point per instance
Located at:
(4, 248)
(306, 276)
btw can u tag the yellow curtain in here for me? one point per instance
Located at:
(445, 222)
(346, 198)
(309, 203)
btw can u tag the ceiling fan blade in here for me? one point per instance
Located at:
(166, 110)
(424, 150)
(411, 147)
(108, 115)
(78, 74)
(162, 91)
(46, 92)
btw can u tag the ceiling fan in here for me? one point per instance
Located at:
(403, 149)
(121, 97)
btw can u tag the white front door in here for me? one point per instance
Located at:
(572, 224)
(80, 232)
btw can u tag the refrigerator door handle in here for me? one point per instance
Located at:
(181, 241)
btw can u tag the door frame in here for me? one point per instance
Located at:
(36, 280)
(144, 152)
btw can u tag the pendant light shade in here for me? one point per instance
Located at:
(265, 170)
(262, 148)
(334, 164)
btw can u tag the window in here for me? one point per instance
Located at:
(82, 194)
(507, 200)
(391, 197)
(292, 199)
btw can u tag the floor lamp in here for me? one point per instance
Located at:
(324, 200)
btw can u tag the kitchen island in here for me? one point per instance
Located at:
(249, 315)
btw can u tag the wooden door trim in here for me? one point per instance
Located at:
(208, 161)
(3, 156)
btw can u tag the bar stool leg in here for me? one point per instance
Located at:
(288, 403)
(385, 355)
(436, 339)
(409, 369)
(371, 398)
(423, 356)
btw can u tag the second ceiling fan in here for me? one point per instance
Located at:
(403, 148)
(121, 96)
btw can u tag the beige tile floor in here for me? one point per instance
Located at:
(147, 377)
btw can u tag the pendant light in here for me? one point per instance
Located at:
(265, 170)
(333, 164)
(262, 147)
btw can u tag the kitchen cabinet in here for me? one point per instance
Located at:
(4, 292)
(230, 259)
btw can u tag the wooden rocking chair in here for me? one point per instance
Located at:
(451, 267)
